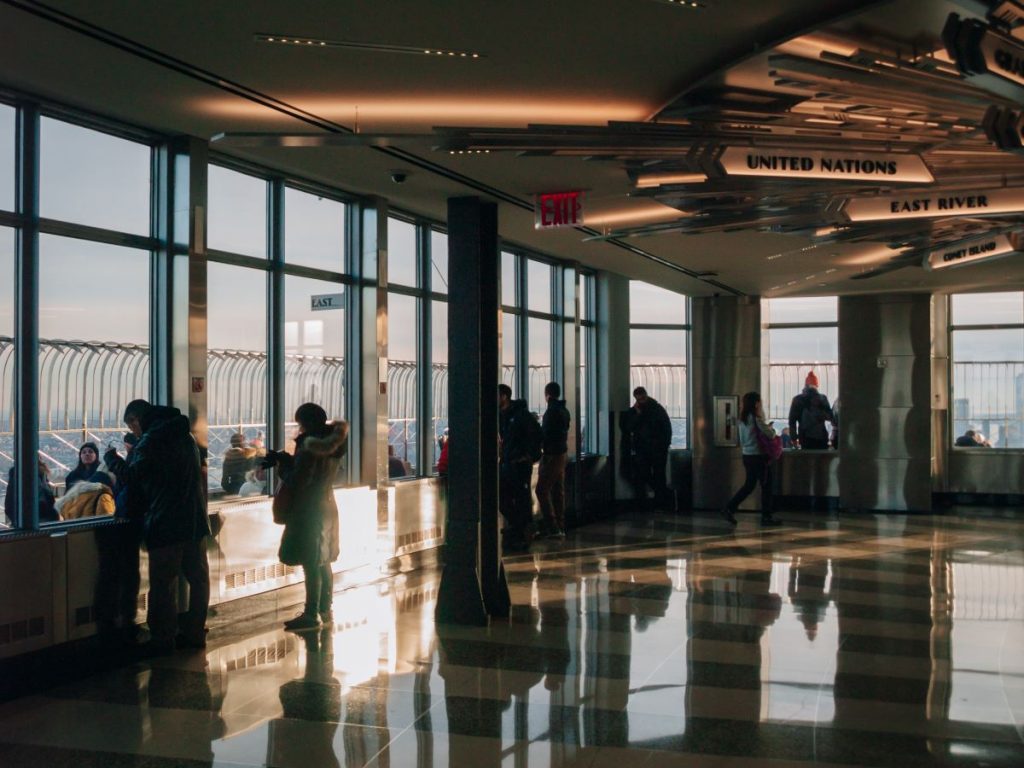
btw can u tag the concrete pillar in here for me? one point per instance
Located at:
(611, 367)
(473, 584)
(885, 411)
(726, 344)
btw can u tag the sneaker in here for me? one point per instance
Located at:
(770, 522)
(728, 516)
(302, 621)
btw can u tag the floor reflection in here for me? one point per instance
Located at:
(847, 641)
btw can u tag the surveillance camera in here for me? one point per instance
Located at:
(399, 177)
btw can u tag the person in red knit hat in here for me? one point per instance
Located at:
(808, 415)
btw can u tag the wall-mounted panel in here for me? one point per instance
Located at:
(27, 603)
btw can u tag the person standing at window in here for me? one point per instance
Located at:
(757, 466)
(808, 414)
(47, 511)
(515, 469)
(551, 475)
(164, 476)
(88, 463)
(306, 506)
(649, 430)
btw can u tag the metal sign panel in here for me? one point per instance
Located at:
(969, 252)
(943, 204)
(552, 210)
(816, 164)
(326, 301)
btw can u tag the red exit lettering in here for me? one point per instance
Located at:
(559, 209)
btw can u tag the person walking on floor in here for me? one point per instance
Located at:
(551, 475)
(164, 477)
(808, 414)
(757, 466)
(305, 505)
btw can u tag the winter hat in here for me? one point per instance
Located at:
(237, 440)
(811, 380)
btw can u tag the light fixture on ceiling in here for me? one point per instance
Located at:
(419, 50)
(651, 180)
(684, 3)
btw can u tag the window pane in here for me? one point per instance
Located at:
(236, 378)
(987, 308)
(988, 371)
(401, 253)
(539, 362)
(93, 345)
(792, 354)
(814, 309)
(6, 362)
(237, 212)
(314, 231)
(658, 363)
(508, 351)
(88, 177)
(586, 291)
(538, 282)
(439, 372)
(439, 261)
(650, 304)
(508, 279)
(314, 366)
(7, 133)
(403, 392)
(587, 440)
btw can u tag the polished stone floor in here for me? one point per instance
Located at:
(872, 641)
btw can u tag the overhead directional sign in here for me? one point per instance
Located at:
(978, 49)
(970, 252)
(935, 205)
(815, 164)
(324, 302)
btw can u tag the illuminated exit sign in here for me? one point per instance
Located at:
(558, 209)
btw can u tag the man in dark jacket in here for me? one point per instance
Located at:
(551, 475)
(808, 414)
(515, 469)
(164, 476)
(649, 432)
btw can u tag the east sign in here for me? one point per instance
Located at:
(935, 204)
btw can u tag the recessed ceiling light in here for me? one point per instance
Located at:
(649, 180)
(419, 50)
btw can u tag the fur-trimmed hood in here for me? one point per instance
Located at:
(328, 441)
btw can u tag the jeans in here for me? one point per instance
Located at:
(650, 470)
(186, 559)
(759, 470)
(319, 588)
(551, 490)
(117, 588)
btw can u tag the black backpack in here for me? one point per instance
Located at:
(813, 417)
(533, 438)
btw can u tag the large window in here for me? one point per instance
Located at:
(800, 335)
(403, 381)
(988, 369)
(7, 133)
(437, 277)
(659, 339)
(94, 305)
(236, 374)
(588, 349)
(6, 361)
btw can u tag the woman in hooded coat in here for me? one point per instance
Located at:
(88, 463)
(307, 508)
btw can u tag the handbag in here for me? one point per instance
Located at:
(771, 447)
(282, 503)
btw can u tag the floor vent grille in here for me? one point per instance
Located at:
(257, 575)
(17, 631)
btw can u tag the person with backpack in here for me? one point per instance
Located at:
(521, 442)
(551, 475)
(808, 415)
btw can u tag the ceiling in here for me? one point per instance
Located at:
(194, 67)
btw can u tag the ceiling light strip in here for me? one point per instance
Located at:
(298, 41)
